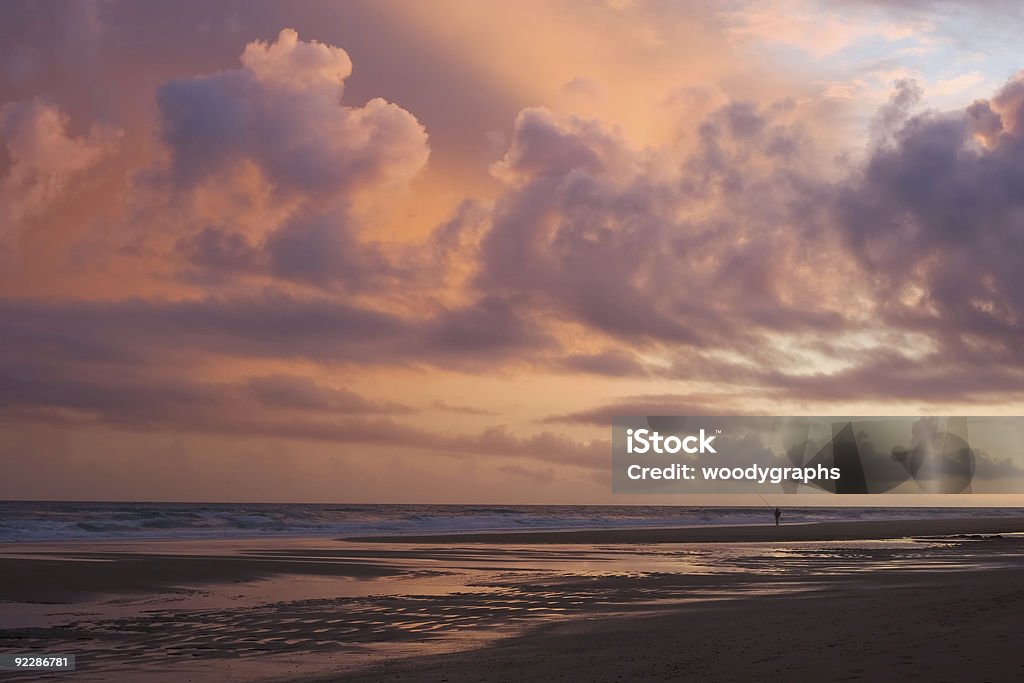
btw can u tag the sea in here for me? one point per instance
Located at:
(22, 521)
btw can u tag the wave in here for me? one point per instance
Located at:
(55, 521)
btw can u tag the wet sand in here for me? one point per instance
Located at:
(928, 627)
(817, 531)
(529, 608)
(73, 575)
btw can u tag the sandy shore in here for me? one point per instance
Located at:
(74, 575)
(818, 531)
(927, 627)
(802, 602)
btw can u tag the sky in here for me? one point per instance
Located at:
(403, 251)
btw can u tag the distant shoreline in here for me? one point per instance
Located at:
(768, 532)
(109, 522)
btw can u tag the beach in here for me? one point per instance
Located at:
(932, 599)
(745, 533)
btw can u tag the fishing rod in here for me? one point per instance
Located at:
(775, 511)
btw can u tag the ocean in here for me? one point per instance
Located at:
(63, 521)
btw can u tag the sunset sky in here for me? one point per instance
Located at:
(404, 251)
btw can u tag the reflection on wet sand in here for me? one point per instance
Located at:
(229, 608)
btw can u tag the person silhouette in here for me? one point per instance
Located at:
(778, 515)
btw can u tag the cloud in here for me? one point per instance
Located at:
(276, 406)
(958, 84)
(897, 280)
(303, 393)
(613, 363)
(741, 258)
(491, 323)
(534, 475)
(322, 248)
(633, 243)
(730, 264)
(221, 251)
(44, 161)
(938, 377)
(819, 30)
(658, 404)
(272, 325)
(936, 218)
(274, 133)
(281, 112)
(444, 406)
(311, 248)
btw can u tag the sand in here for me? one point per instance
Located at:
(818, 531)
(936, 627)
(801, 602)
(74, 575)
